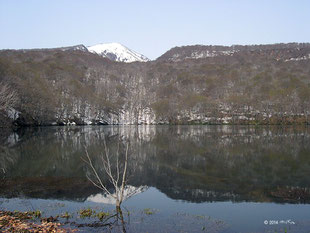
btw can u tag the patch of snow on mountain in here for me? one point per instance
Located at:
(306, 57)
(207, 53)
(75, 48)
(229, 52)
(117, 52)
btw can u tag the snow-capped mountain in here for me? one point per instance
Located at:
(117, 52)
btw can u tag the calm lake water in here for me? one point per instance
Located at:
(184, 178)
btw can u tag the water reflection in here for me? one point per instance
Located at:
(191, 163)
(129, 192)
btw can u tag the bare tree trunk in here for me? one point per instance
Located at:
(120, 216)
(124, 176)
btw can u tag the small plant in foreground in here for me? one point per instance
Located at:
(148, 211)
(102, 215)
(66, 215)
(35, 214)
(87, 213)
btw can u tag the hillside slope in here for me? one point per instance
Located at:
(77, 87)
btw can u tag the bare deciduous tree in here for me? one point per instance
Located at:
(8, 97)
(116, 174)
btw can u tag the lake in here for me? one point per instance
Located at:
(181, 178)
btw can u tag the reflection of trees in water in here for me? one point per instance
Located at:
(236, 165)
(8, 157)
(194, 163)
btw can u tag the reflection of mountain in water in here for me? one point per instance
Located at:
(109, 199)
(193, 163)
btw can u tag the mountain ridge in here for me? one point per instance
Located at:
(284, 50)
(112, 51)
(256, 85)
(117, 52)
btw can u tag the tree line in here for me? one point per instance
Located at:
(46, 87)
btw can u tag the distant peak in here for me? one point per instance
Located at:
(117, 52)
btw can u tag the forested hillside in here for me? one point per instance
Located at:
(267, 84)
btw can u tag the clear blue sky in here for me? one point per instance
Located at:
(152, 27)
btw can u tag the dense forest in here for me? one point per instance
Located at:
(261, 84)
